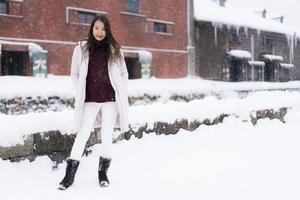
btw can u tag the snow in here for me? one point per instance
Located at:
(256, 63)
(28, 86)
(232, 160)
(287, 65)
(240, 54)
(273, 57)
(145, 57)
(206, 10)
(289, 8)
(164, 110)
(208, 108)
(30, 123)
(32, 47)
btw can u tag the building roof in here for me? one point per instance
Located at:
(206, 10)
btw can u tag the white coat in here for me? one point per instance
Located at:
(118, 77)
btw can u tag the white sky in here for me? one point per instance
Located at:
(289, 8)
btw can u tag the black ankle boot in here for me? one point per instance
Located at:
(71, 169)
(104, 164)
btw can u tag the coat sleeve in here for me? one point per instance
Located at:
(123, 68)
(75, 65)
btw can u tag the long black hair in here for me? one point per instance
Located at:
(112, 47)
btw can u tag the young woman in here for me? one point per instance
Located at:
(99, 74)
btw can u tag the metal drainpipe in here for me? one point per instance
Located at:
(253, 56)
(0, 58)
(191, 39)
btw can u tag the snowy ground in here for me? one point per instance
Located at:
(233, 160)
(142, 115)
(28, 86)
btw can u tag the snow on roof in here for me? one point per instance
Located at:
(240, 54)
(287, 65)
(145, 56)
(273, 57)
(257, 63)
(32, 47)
(206, 10)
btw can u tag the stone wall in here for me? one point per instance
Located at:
(58, 146)
(21, 105)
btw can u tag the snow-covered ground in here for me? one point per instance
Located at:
(233, 160)
(230, 161)
(24, 86)
(141, 115)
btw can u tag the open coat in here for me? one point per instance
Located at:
(118, 77)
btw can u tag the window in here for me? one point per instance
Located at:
(268, 41)
(133, 6)
(3, 7)
(160, 27)
(85, 17)
(235, 37)
(81, 16)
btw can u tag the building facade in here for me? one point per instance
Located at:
(39, 36)
(229, 49)
(244, 56)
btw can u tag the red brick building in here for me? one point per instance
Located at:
(157, 26)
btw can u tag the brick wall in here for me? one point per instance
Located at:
(42, 21)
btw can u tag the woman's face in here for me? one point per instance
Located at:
(99, 30)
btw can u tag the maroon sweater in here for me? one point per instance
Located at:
(98, 86)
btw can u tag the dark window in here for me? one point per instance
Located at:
(160, 27)
(133, 6)
(12, 63)
(3, 7)
(235, 37)
(268, 41)
(85, 17)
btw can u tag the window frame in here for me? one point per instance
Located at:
(160, 27)
(268, 41)
(235, 37)
(85, 17)
(170, 27)
(5, 7)
(76, 11)
(131, 7)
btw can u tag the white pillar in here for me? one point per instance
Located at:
(191, 39)
(0, 57)
(253, 56)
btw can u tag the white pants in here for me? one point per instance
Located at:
(90, 111)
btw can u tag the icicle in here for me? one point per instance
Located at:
(291, 45)
(288, 40)
(216, 33)
(228, 26)
(237, 30)
(222, 27)
(258, 32)
(246, 31)
(292, 49)
(252, 56)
